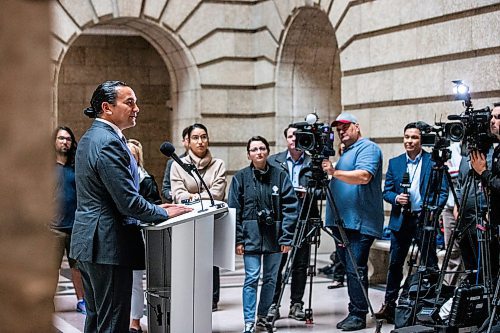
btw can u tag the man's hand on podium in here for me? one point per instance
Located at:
(174, 210)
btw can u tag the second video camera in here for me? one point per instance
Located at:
(472, 127)
(314, 137)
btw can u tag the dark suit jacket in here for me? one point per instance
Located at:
(305, 175)
(393, 178)
(106, 196)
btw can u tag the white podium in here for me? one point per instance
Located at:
(180, 253)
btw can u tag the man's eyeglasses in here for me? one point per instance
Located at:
(256, 149)
(203, 138)
(63, 138)
(496, 116)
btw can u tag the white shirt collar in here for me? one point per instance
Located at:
(416, 157)
(113, 126)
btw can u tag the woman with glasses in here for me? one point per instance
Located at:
(266, 211)
(213, 172)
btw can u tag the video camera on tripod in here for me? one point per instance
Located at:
(314, 137)
(472, 127)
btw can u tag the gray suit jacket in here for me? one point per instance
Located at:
(106, 197)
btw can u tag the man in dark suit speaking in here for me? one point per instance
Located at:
(107, 241)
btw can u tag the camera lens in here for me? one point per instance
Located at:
(305, 141)
(455, 131)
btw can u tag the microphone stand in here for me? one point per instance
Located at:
(194, 170)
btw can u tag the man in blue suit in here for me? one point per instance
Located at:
(406, 204)
(106, 239)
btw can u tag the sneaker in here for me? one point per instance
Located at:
(249, 328)
(296, 312)
(336, 284)
(265, 325)
(352, 323)
(273, 312)
(80, 307)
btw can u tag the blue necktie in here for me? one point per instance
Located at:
(134, 171)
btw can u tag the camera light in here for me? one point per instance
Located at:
(460, 88)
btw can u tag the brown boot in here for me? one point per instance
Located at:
(387, 312)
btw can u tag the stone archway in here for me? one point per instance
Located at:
(94, 58)
(75, 19)
(149, 57)
(308, 71)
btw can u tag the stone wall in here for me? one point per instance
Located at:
(250, 67)
(93, 59)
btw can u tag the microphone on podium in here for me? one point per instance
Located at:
(168, 150)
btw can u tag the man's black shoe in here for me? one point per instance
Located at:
(327, 270)
(353, 323)
(340, 323)
(387, 312)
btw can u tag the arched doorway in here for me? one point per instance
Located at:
(151, 61)
(94, 58)
(308, 71)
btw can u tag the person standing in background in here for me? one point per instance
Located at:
(449, 221)
(213, 172)
(149, 191)
(357, 179)
(62, 225)
(298, 166)
(266, 215)
(166, 190)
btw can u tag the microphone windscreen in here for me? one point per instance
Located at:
(167, 149)
(406, 178)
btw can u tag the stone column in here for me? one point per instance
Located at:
(26, 258)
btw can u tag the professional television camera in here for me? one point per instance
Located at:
(472, 127)
(314, 137)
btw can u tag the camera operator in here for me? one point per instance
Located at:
(266, 214)
(296, 163)
(473, 211)
(491, 178)
(356, 187)
(406, 183)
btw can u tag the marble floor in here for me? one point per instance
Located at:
(329, 306)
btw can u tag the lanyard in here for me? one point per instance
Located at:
(414, 170)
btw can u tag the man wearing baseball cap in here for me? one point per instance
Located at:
(356, 187)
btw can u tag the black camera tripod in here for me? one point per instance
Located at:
(426, 229)
(308, 233)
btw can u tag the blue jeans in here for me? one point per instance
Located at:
(270, 263)
(360, 248)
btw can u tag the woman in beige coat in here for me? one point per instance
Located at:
(213, 172)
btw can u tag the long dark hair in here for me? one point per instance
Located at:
(105, 92)
(72, 149)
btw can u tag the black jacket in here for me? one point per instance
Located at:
(252, 191)
(149, 190)
(491, 181)
(305, 176)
